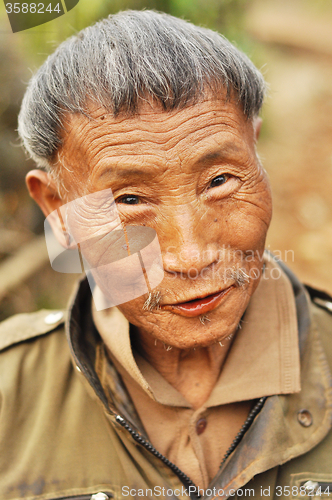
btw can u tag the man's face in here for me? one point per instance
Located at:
(193, 176)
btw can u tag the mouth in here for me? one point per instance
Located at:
(198, 306)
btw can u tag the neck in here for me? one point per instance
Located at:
(193, 372)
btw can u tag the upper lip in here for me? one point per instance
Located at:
(197, 297)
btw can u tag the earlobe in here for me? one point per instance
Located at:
(43, 190)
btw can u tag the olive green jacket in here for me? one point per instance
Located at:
(60, 438)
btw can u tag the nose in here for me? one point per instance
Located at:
(189, 248)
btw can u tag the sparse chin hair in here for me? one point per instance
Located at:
(203, 319)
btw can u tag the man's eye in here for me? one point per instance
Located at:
(218, 181)
(129, 199)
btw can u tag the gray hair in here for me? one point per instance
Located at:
(124, 59)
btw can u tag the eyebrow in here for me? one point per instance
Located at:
(221, 153)
(125, 172)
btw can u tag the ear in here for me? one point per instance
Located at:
(257, 124)
(43, 190)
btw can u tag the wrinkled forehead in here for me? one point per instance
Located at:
(152, 119)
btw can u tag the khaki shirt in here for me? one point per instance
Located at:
(263, 360)
(63, 438)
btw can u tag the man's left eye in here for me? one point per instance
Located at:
(219, 180)
(129, 199)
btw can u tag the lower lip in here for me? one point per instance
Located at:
(199, 306)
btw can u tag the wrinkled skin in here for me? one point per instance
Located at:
(164, 170)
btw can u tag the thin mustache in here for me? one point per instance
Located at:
(239, 276)
(152, 302)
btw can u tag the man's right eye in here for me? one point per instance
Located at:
(129, 199)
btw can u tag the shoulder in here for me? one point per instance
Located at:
(320, 298)
(321, 317)
(26, 327)
(28, 345)
(321, 308)
(35, 365)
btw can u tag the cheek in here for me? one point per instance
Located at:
(246, 221)
(245, 232)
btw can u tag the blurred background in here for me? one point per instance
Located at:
(289, 40)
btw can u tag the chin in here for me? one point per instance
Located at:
(197, 335)
(192, 332)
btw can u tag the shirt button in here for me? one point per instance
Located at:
(305, 418)
(201, 425)
(53, 318)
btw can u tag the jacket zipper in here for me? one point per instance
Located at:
(181, 475)
(256, 409)
(137, 437)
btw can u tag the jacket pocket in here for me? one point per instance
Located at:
(307, 486)
(319, 489)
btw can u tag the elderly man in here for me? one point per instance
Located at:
(208, 376)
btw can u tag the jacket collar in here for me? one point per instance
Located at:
(84, 342)
(83, 339)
